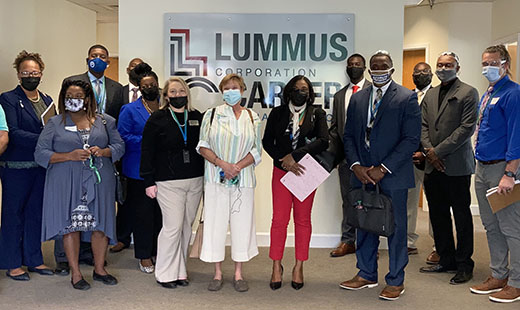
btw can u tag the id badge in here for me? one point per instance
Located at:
(186, 156)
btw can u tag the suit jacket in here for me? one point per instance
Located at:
(131, 123)
(337, 126)
(23, 123)
(126, 91)
(277, 142)
(394, 137)
(448, 129)
(114, 94)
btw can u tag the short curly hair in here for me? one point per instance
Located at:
(24, 56)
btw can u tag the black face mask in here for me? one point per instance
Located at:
(30, 83)
(422, 80)
(178, 102)
(299, 98)
(150, 93)
(355, 73)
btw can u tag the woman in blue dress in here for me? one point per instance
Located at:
(78, 148)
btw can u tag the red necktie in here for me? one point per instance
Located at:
(355, 89)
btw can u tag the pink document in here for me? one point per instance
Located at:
(302, 186)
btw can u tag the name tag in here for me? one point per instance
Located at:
(71, 128)
(193, 122)
(494, 101)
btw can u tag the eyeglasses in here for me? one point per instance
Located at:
(31, 74)
(177, 92)
(449, 65)
(493, 63)
(75, 97)
(424, 71)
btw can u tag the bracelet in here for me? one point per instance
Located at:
(215, 160)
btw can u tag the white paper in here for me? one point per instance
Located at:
(302, 186)
(493, 190)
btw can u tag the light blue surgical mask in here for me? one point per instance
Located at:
(491, 73)
(232, 96)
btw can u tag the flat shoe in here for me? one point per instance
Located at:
(62, 269)
(106, 279)
(183, 282)
(43, 271)
(215, 285)
(80, 285)
(170, 285)
(240, 285)
(146, 269)
(21, 277)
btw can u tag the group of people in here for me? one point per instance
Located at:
(61, 175)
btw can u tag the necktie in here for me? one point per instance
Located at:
(355, 88)
(420, 95)
(134, 93)
(482, 109)
(379, 96)
(98, 87)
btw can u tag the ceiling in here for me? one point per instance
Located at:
(107, 10)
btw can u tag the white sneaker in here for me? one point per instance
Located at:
(149, 269)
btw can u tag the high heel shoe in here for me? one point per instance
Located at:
(276, 285)
(297, 285)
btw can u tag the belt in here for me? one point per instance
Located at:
(19, 164)
(491, 162)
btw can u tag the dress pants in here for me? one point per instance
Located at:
(179, 201)
(20, 234)
(146, 217)
(502, 228)
(348, 233)
(368, 243)
(283, 202)
(124, 223)
(233, 206)
(444, 192)
(414, 194)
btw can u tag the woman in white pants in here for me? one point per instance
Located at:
(172, 171)
(230, 142)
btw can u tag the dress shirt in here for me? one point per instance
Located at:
(498, 136)
(424, 90)
(131, 92)
(350, 91)
(3, 122)
(103, 95)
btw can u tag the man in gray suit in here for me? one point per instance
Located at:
(356, 72)
(449, 115)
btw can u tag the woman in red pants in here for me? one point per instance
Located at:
(295, 128)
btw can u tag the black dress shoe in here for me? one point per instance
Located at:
(43, 271)
(276, 285)
(438, 269)
(90, 262)
(461, 277)
(170, 285)
(80, 285)
(62, 269)
(296, 285)
(184, 282)
(106, 279)
(21, 277)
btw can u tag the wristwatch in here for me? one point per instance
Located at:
(510, 174)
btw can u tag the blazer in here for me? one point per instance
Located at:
(394, 137)
(337, 126)
(114, 93)
(131, 123)
(23, 123)
(313, 139)
(448, 129)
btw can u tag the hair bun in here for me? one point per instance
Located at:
(142, 68)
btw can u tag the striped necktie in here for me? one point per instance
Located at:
(482, 109)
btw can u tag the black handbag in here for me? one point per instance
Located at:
(371, 211)
(326, 159)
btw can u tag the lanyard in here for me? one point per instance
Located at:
(101, 96)
(184, 131)
(373, 112)
(481, 115)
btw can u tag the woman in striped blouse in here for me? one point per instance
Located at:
(231, 144)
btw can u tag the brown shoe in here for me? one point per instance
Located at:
(392, 292)
(433, 258)
(357, 283)
(491, 285)
(343, 249)
(120, 246)
(413, 251)
(507, 294)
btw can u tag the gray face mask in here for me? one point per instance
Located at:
(446, 75)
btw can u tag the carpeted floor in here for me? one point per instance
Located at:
(137, 290)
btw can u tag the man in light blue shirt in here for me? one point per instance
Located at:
(4, 137)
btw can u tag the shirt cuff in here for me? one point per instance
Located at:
(386, 168)
(256, 156)
(355, 164)
(202, 143)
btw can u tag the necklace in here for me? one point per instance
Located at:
(147, 107)
(37, 98)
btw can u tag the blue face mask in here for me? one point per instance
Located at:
(491, 73)
(97, 65)
(381, 77)
(232, 96)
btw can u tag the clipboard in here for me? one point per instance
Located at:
(48, 113)
(499, 202)
(302, 186)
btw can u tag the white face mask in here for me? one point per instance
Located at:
(381, 77)
(73, 104)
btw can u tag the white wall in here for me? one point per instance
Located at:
(107, 34)
(59, 30)
(464, 28)
(505, 18)
(379, 25)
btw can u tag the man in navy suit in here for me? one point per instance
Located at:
(382, 131)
